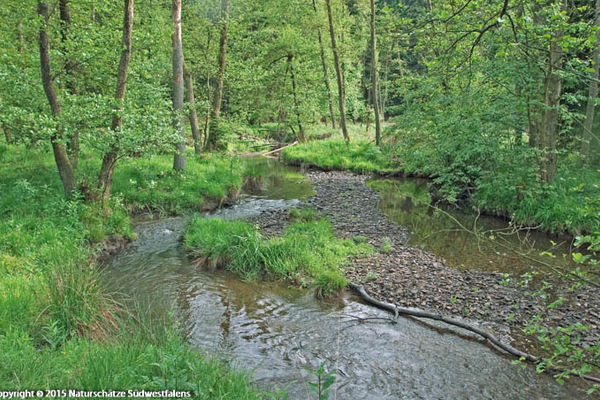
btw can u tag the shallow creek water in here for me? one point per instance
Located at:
(277, 332)
(448, 233)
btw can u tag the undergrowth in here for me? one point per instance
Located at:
(150, 184)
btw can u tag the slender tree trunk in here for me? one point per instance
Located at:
(20, 36)
(290, 60)
(549, 124)
(590, 111)
(93, 11)
(193, 116)
(7, 134)
(338, 73)
(222, 61)
(110, 158)
(375, 76)
(65, 19)
(178, 95)
(386, 87)
(208, 91)
(325, 72)
(65, 170)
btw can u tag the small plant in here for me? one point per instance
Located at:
(505, 279)
(386, 245)
(358, 239)
(303, 214)
(371, 276)
(324, 381)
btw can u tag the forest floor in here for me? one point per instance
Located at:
(411, 277)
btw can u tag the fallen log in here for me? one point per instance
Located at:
(418, 313)
(280, 148)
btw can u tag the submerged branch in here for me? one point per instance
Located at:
(418, 313)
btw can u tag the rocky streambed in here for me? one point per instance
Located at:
(409, 276)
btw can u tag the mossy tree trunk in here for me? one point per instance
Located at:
(65, 19)
(179, 161)
(375, 77)
(325, 70)
(338, 72)
(290, 60)
(590, 111)
(109, 159)
(211, 138)
(65, 169)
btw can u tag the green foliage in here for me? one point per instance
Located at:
(307, 248)
(324, 381)
(59, 327)
(303, 214)
(132, 362)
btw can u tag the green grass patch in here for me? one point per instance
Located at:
(307, 249)
(150, 184)
(359, 156)
(130, 363)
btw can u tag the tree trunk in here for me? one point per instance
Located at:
(386, 89)
(20, 36)
(65, 19)
(216, 108)
(7, 134)
(110, 158)
(375, 77)
(338, 73)
(590, 111)
(290, 60)
(193, 116)
(179, 158)
(549, 123)
(208, 91)
(65, 170)
(325, 72)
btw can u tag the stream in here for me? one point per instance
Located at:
(280, 333)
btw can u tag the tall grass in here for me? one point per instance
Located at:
(59, 327)
(150, 184)
(307, 251)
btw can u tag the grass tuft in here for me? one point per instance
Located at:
(307, 249)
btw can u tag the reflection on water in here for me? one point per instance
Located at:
(269, 178)
(408, 202)
(277, 333)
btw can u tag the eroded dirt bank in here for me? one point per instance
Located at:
(411, 277)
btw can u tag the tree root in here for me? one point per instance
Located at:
(415, 312)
